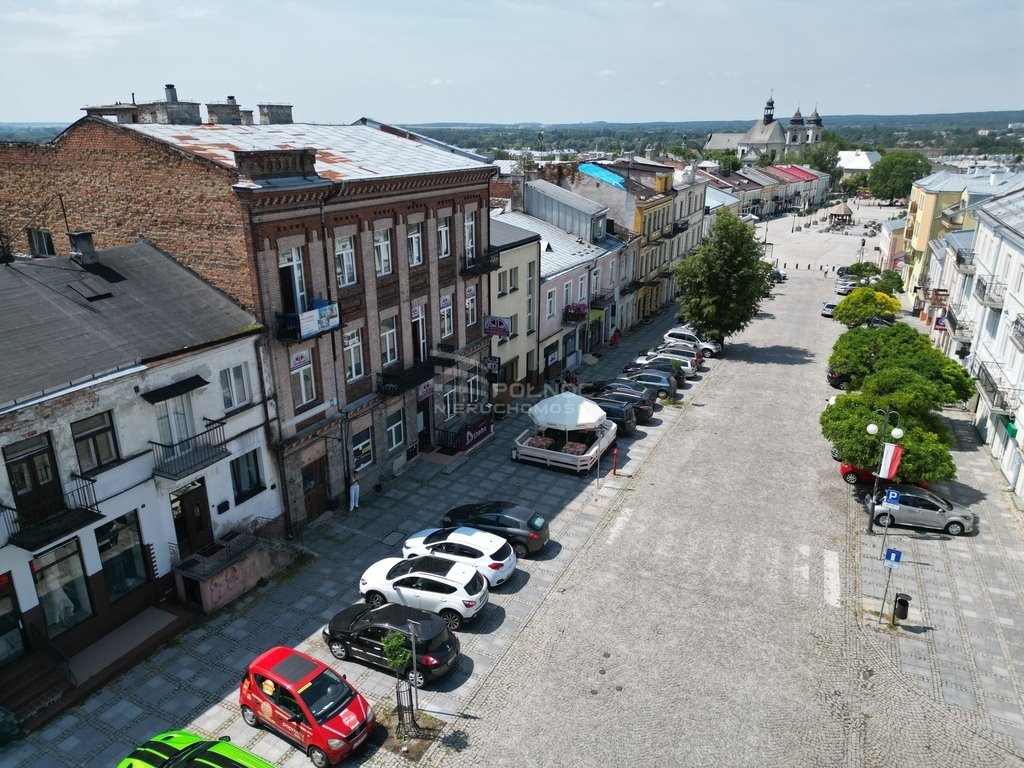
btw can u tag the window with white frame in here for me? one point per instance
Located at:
(470, 235)
(502, 282)
(353, 354)
(583, 288)
(389, 341)
(595, 280)
(247, 476)
(415, 238)
(444, 238)
(303, 383)
(551, 302)
(529, 312)
(95, 441)
(448, 397)
(345, 258)
(447, 326)
(473, 387)
(362, 448)
(382, 251)
(513, 279)
(567, 293)
(396, 430)
(471, 310)
(234, 386)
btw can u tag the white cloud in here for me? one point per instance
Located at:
(664, 82)
(72, 35)
(657, 4)
(606, 73)
(191, 12)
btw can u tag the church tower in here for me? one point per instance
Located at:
(795, 132)
(769, 111)
(814, 127)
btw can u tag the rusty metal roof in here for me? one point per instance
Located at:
(343, 151)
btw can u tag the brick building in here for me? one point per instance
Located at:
(356, 246)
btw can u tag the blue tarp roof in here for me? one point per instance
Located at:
(603, 174)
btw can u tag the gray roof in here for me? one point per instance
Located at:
(55, 336)
(505, 236)
(716, 198)
(718, 142)
(344, 151)
(505, 167)
(982, 182)
(759, 133)
(1008, 210)
(894, 225)
(764, 179)
(559, 251)
(567, 196)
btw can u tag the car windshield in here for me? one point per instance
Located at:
(189, 756)
(326, 695)
(401, 568)
(536, 523)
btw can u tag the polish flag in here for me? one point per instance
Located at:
(890, 461)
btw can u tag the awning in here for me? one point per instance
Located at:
(155, 396)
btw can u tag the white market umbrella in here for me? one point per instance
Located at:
(566, 411)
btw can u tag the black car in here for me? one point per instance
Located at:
(837, 379)
(621, 383)
(621, 414)
(358, 632)
(644, 411)
(663, 366)
(524, 529)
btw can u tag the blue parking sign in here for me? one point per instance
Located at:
(893, 556)
(892, 496)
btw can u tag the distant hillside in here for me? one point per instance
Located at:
(34, 132)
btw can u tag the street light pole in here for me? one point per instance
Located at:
(897, 433)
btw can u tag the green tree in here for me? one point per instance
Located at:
(523, 163)
(863, 304)
(727, 160)
(895, 174)
(890, 282)
(824, 157)
(852, 185)
(861, 269)
(724, 282)
(396, 653)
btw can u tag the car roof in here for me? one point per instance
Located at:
(288, 664)
(441, 567)
(164, 746)
(391, 615)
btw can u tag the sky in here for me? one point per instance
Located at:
(510, 61)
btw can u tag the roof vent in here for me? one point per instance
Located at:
(82, 249)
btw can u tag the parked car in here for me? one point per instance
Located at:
(707, 347)
(837, 379)
(662, 383)
(854, 475)
(490, 554)
(664, 366)
(681, 347)
(844, 288)
(686, 365)
(623, 383)
(920, 508)
(777, 276)
(622, 415)
(454, 591)
(358, 632)
(644, 411)
(842, 271)
(828, 307)
(181, 748)
(880, 321)
(307, 703)
(523, 528)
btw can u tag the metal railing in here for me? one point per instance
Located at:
(1017, 332)
(965, 261)
(938, 297)
(176, 460)
(481, 264)
(989, 292)
(212, 559)
(390, 384)
(996, 395)
(30, 527)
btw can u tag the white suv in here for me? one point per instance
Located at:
(453, 590)
(707, 347)
(491, 555)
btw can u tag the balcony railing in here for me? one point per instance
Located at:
(988, 384)
(938, 297)
(965, 261)
(1017, 332)
(391, 384)
(574, 313)
(958, 325)
(680, 226)
(989, 292)
(177, 460)
(261, 532)
(323, 318)
(481, 264)
(33, 527)
(602, 300)
(632, 287)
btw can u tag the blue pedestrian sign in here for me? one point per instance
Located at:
(892, 558)
(892, 496)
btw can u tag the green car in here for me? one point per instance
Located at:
(181, 749)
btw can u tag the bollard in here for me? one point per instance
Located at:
(615, 460)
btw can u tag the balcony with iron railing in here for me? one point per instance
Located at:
(602, 300)
(938, 297)
(33, 527)
(965, 261)
(958, 325)
(394, 383)
(480, 264)
(575, 313)
(323, 318)
(995, 393)
(1017, 332)
(185, 457)
(989, 292)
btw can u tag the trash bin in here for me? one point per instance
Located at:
(902, 608)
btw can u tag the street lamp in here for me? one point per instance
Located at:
(897, 433)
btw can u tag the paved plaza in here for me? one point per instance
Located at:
(713, 603)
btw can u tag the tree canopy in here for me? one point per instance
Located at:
(723, 283)
(863, 304)
(727, 160)
(895, 173)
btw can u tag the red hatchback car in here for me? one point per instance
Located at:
(854, 475)
(307, 702)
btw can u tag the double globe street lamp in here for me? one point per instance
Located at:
(897, 433)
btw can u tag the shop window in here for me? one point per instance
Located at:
(120, 546)
(62, 589)
(362, 448)
(396, 430)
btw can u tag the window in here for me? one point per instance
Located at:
(447, 329)
(62, 589)
(95, 442)
(382, 251)
(502, 283)
(513, 326)
(415, 245)
(293, 281)
(246, 478)
(345, 255)
(40, 242)
(362, 448)
(513, 279)
(353, 355)
(303, 384)
(120, 546)
(234, 386)
(448, 397)
(583, 288)
(444, 241)
(471, 310)
(470, 236)
(567, 293)
(473, 387)
(595, 281)
(529, 312)
(388, 341)
(396, 430)
(551, 302)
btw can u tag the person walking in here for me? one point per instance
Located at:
(353, 492)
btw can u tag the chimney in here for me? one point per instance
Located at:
(246, 116)
(82, 249)
(996, 177)
(170, 92)
(227, 113)
(275, 114)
